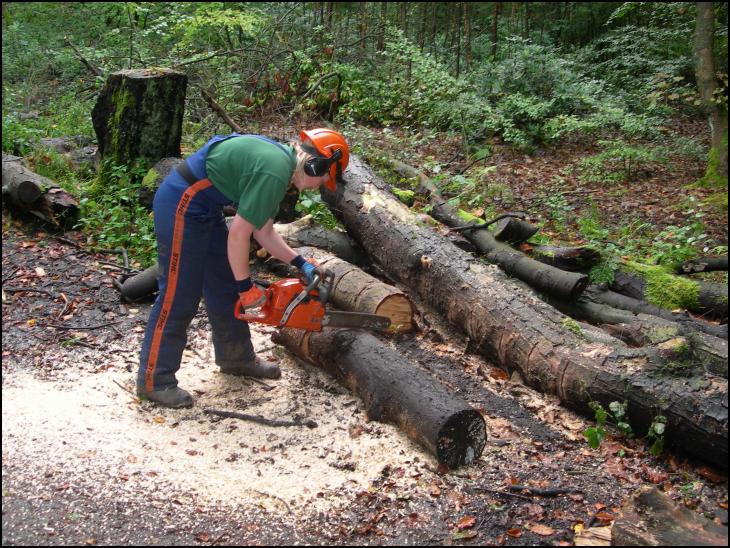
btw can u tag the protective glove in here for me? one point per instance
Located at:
(249, 295)
(309, 268)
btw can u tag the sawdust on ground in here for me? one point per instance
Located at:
(88, 426)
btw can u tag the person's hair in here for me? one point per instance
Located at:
(302, 157)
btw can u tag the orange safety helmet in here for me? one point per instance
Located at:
(330, 145)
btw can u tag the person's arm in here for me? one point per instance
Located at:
(239, 247)
(272, 241)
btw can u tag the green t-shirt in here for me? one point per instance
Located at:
(253, 172)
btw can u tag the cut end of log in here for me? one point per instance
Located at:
(462, 439)
(398, 308)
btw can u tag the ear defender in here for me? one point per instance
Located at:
(319, 165)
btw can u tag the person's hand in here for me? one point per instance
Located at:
(310, 269)
(252, 298)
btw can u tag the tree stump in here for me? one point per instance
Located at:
(139, 114)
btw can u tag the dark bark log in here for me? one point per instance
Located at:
(572, 259)
(395, 391)
(139, 114)
(703, 264)
(357, 291)
(566, 285)
(36, 194)
(513, 231)
(651, 518)
(706, 298)
(511, 327)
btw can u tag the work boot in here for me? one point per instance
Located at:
(172, 397)
(254, 368)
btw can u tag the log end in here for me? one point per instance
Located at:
(462, 438)
(398, 308)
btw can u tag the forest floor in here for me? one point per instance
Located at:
(84, 462)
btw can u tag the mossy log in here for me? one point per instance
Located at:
(139, 115)
(38, 195)
(394, 390)
(657, 286)
(651, 518)
(512, 328)
(357, 291)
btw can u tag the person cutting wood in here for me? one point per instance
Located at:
(199, 256)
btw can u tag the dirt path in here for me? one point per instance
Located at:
(85, 463)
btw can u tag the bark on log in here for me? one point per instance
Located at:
(139, 114)
(651, 518)
(703, 264)
(555, 282)
(357, 291)
(572, 259)
(36, 194)
(395, 391)
(616, 300)
(511, 327)
(654, 285)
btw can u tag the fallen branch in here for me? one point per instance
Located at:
(309, 423)
(220, 111)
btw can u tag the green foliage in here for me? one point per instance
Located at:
(616, 414)
(619, 162)
(112, 216)
(310, 203)
(655, 435)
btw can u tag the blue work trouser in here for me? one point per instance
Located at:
(192, 254)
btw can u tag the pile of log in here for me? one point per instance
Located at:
(511, 325)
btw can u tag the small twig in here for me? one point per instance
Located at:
(29, 290)
(274, 497)
(503, 493)
(78, 328)
(519, 215)
(543, 492)
(260, 420)
(127, 390)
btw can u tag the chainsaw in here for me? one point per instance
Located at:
(289, 303)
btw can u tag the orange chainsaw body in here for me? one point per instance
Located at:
(306, 315)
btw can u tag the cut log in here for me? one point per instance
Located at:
(512, 328)
(357, 291)
(651, 518)
(139, 114)
(513, 231)
(36, 194)
(657, 286)
(394, 390)
(555, 282)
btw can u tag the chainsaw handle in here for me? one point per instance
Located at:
(240, 313)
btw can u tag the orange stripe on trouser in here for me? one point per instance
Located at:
(177, 241)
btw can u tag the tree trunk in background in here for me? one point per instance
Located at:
(495, 20)
(510, 327)
(467, 36)
(716, 175)
(139, 114)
